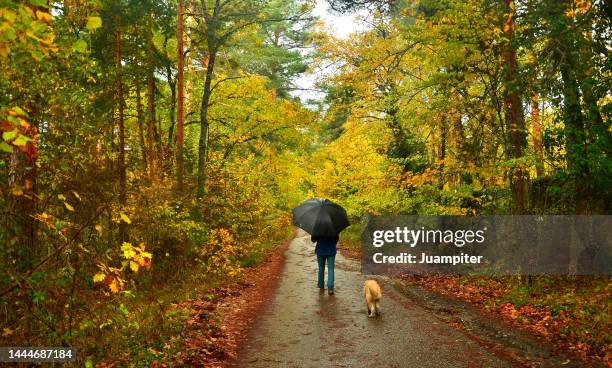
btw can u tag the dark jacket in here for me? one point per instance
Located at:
(326, 245)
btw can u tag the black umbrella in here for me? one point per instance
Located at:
(320, 217)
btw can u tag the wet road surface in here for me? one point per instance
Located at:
(302, 327)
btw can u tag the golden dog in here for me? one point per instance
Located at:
(372, 292)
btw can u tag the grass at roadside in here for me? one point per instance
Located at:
(573, 311)
(153, 328)
(350, 241)
(146, 328)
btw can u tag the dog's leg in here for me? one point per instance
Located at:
(377, 306)
(371, 309)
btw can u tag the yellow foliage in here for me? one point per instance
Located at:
(136, 255)
(44, 16)
(116, 285)
(125, 219)
(134, 266)
(222, 252)
(353, 170)
(128, 251)
(99, 277)
(416, 180)
(112, 277)
(578, 7)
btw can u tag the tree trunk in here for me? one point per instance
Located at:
(514, 117)
(397, 146)
(204, 125)
(536, 127)
(443, 137)
(213, 44)
(537, 135)
(151, 126)
(180, 98)
(171, 112)
(573, 117)
(442, 153)
(120, 123)
(458, 136)
(168, 147)
(140, 113)
(188, 86)
(574, 121)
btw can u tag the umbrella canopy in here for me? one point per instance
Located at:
(320, 217)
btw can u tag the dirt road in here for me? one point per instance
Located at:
(302, 327)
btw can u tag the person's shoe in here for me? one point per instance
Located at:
(330, 291)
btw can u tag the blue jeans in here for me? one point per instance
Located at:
(330, 271)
